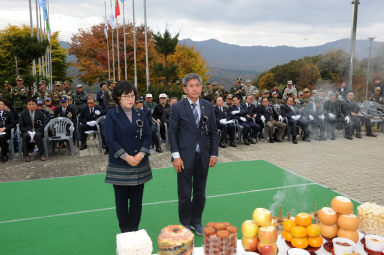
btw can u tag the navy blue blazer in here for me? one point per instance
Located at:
(184, 135)
(243, 111)
(121, 135)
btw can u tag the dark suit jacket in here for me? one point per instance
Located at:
(287, 112)
(335, 108)
(268, 112)
(224, 114)
(85, 114)
(350, 106)
(308, 110)
(161, 113)
(121, 135)
(243, 112)
(184, 135)
(344, 93)
(7, 121)
(25, 122)
(251, 109)
(58, 112)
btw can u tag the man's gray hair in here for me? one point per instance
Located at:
(191, 76)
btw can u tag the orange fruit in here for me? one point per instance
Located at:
(313, 230)
(287, 236)
(301, 243)
(288, 225)
(299, 231)
(303, 219)
(315, 242)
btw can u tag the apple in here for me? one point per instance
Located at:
(267, 249)
(268, 234)
(262, 217)
(249, 229)
(250, 244)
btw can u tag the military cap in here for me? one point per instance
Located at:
(290, 82)
(247, 81)
(66, 81)
(41, 82)
(300, 93)
(377, 88)
(265, 91)
(79, 85)
(19, 78)
(239, 79)
(255, 92)
(57, 83)
(208, 83)
(274, 92)
(306, 90)
(47, 99)
(140, 99)
(63, 99)
(214, 83)
(163, 95)
(230, 96)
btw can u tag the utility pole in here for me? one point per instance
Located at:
(353, 43)
(146, 45)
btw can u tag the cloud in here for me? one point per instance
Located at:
(245, 22)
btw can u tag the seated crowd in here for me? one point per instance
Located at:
(241, 114)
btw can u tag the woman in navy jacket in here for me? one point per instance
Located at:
(128, 135)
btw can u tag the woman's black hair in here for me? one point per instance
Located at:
(123, 87)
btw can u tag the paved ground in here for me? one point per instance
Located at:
(354, 168)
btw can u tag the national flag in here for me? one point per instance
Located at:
(106, 28)
(117, 9)
(112, 19)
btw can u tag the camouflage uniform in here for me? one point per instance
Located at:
(219, 92)
(303, 102)
(41, 95)
(234, 91)
(6, 94)
(378, 99)
(19, 95)
(56, 95)
(69, 92)
(276, 101)
(109, 100)
(249, 90)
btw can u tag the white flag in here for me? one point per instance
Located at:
(106, 28)
(112, 19)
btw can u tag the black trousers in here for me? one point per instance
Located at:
(39, 142)
(128, 215)
(316, 124)
(226, 129)
(4, 144)
(301, 123)
(355, 124)
(195, 178)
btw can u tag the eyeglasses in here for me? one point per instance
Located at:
(126, 97)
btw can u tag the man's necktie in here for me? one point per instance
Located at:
(33, 119)
(196, 116)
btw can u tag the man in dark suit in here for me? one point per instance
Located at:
(32, 125)
(314, 114)
(354, 117)
(342, 90)
(334, 116)
(7, 122)
(240, 113)
(194, 146)
(161, 113)
(224, 123)
(290, 112)
(87, 118)
(267, 114)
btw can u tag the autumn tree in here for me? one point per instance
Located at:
(90, 48)
(309, 74)
(165, 45)
(266, 81)
(188, 60)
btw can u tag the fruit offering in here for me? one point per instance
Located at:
(221, 238)
(301, 233)
(339, 221)
(260, 233)
(371, 218)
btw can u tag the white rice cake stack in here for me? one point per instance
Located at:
(134, 243)
(371, 218)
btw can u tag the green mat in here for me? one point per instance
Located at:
(76, 215)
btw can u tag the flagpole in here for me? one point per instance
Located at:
(134, 42)
(125, 43)
(31, 23)
(41, 39)
(113, 51)
(50, 47)
(38, 34)
(146, 45)
(118, 48)
(109, 64)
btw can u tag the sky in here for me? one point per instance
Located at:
(296, 23)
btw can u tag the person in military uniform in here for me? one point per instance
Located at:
(289, 89)
(20, 94)
(217, 91)
(149, 104)
(275, 98)
(107, 98)
(354, 118)
(306, 98)
(334, 116)
(377, 83)
(7, 122)
(207, 92)
(377, 96)
(6, 93)
(67, 89)
(57, 94)
(228, 101)
(80, 97)
(276, 89)
(42, 92)
(238, 89)
(256, 98)
(224, 123)
(249, 88)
